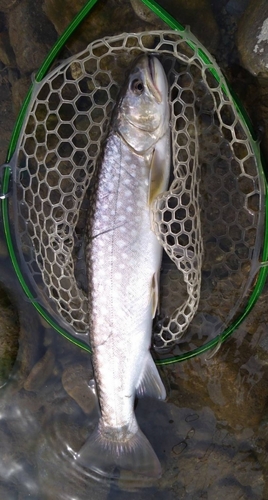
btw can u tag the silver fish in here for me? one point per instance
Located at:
(124, 258)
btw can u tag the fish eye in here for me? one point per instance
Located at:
(137, 86)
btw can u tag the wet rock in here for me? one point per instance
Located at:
(75, 381)
(236, 7)
(8, 493)
(252, 37)
(15, 467)
(9, 333)
(6, 111)
(19, 91)
(234, 382)
(105, 19)
(20, 411)
(30, 340)
(6, 5)
(3, 247)
(40, 372)
(32, 42)
(198, 15)
(7, 56)
(146, 14)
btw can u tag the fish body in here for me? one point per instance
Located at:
(124, 258)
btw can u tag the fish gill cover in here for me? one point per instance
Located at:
(210, 221)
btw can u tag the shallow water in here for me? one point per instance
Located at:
(210, 435)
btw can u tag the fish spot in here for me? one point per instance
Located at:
(117, 275)
(120, 243)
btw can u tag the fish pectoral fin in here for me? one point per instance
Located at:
(157, 177)
(155, 294)
(150, 383)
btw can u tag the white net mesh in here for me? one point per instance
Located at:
(56, 155)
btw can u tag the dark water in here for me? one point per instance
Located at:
(211, 433)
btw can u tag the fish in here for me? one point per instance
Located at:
(123, 260)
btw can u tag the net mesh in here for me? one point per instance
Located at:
(210, 221)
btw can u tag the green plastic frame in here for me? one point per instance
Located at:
(262, 275)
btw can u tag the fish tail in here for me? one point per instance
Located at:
(104, 455)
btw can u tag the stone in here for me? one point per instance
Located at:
(236, 7)
(75, 381)
(6, 5)
(6, 111)
(252, 38)
(198, 15)
(233, 382)
(8, 493)
(9, 334)
(40, 372)
(32, 42)
(7, 56)
(146, 14)
(107, 19)
(19, 91)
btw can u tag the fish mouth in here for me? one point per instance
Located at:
(151, 77)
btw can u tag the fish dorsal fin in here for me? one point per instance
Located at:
(150, 383)
(155, 293)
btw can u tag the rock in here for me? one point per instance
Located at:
(3, 248)
(7, 56)
(19, 91)
(108, 19)
(252, 38)
(40, 372)
(75, 381)
(9, 334)
(31, 338)
(236, 7)
(233, 382)
(146, 14)
(6, 5)
(198, 15)
(6, 492)
(6, 111)
(31, 35)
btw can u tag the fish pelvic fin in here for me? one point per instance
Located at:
(150, 383)
(105, 453)
(155, 294)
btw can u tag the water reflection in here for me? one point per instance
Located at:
(199, 453)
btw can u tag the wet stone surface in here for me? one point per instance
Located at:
(211, 434)
(252, 38)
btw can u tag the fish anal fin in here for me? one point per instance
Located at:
(150, 383)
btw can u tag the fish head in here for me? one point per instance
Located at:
(143, 112)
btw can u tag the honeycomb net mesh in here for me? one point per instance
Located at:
(210, 221)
